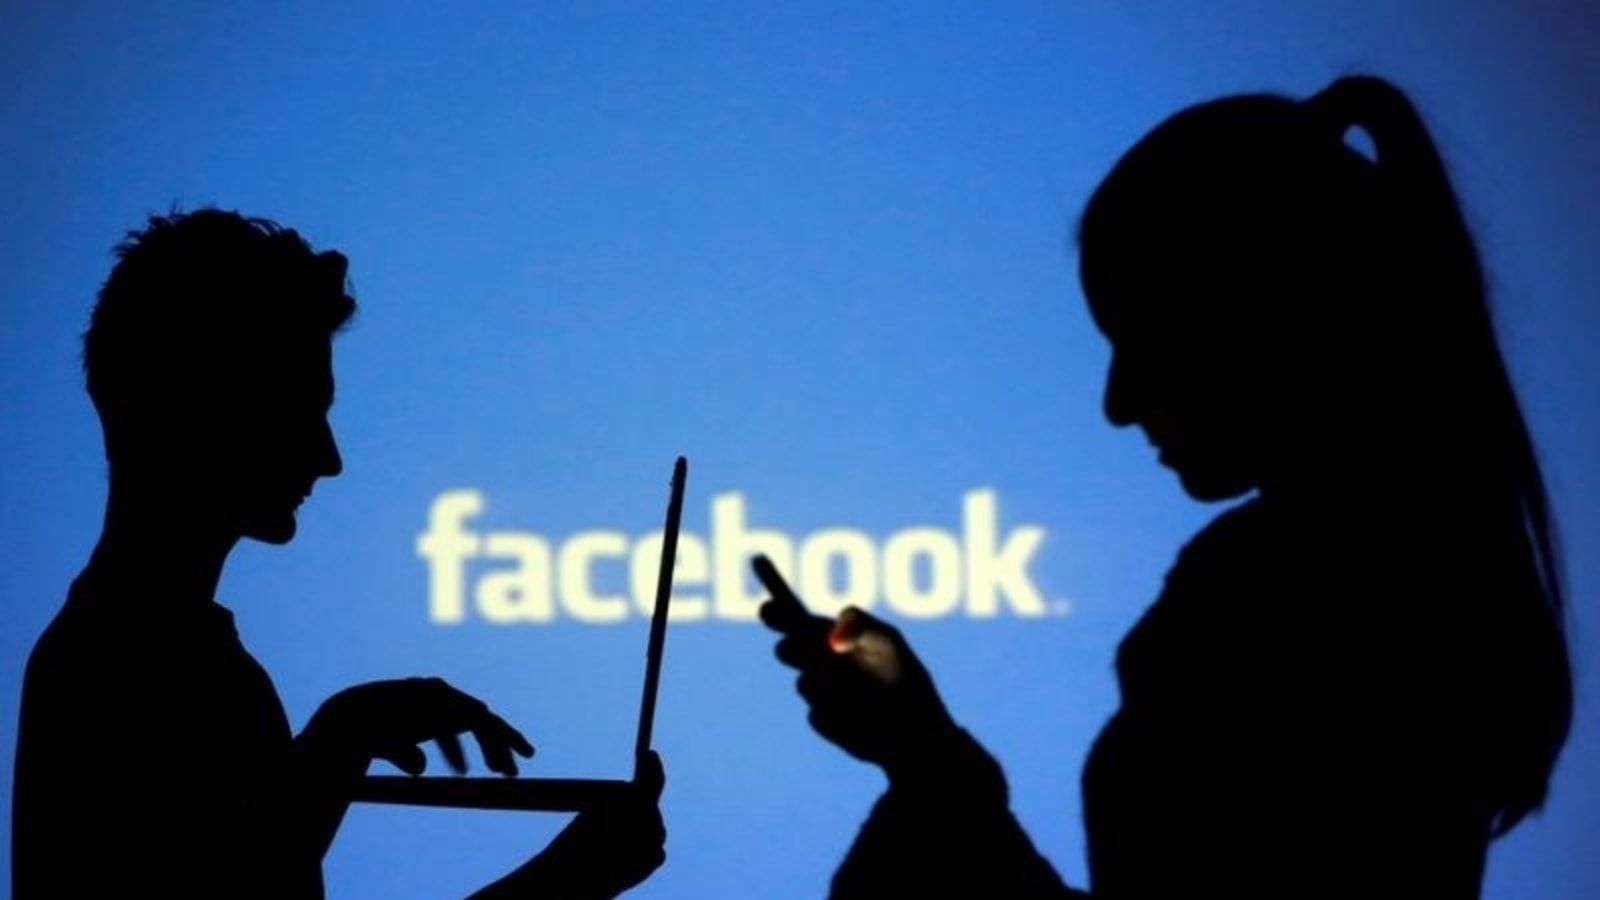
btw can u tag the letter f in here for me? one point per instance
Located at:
(446, 546)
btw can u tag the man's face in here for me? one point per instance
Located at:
(276, 442)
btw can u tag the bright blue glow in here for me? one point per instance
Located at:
(823, 251)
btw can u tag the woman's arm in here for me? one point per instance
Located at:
(945, 828)
(945, 823)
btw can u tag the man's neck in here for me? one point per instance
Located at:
(160, 542)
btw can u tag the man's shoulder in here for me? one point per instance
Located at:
(78, 666)
(99, 653)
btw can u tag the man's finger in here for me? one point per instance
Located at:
(498, 740)
(519, 744)
(450, 746)
(405, 757)
(496, 755)
(650, 775)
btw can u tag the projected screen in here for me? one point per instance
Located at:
(824, 252)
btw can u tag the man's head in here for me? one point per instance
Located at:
(208, 358)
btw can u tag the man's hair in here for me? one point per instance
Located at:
(206, 300)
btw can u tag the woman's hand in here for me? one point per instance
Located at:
(868, 693)
(390, 720)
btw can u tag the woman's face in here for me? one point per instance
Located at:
(1188, 371)
(1222, 273)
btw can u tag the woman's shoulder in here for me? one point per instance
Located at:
(1264, 603)
(1264, 579)
(1330, 541)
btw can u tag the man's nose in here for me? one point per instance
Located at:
(329, 463)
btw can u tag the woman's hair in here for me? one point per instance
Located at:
(1359, 266)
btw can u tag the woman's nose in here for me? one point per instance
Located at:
(1121, 395)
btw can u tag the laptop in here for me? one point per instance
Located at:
(552, 794)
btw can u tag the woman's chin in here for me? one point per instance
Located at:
(1213, 486)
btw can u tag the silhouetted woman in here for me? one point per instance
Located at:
(1355, 679)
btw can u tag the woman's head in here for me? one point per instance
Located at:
(1240, 260)
(1288, 312)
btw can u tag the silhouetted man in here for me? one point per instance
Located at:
(153, 752)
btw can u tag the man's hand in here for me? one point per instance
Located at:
(606, 850)
(390, 720)
(868, 693)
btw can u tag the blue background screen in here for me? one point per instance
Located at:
(824, 250)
